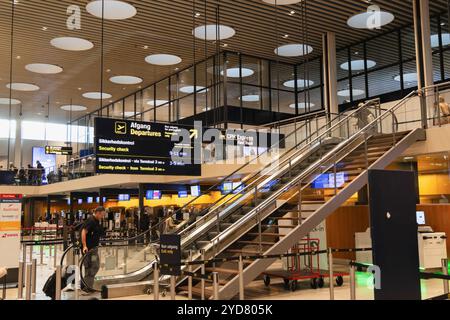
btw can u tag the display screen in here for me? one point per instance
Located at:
(238, 187)
(149, 195)
(90, 199)
(97, 199)
(68, 201)
(48, 161)
(227, 187)
(133, 147)
(182, 194)
(327, 180)
(157, 194)
(80, 201)
(124, 197)
(420, 216)
(66, 151)
(195, 191)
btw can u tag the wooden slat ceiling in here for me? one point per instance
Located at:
(165, 26)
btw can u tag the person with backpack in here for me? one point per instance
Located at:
(91, 233)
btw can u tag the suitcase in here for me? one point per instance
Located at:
(50, 286)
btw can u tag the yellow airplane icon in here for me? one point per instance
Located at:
(121, 128)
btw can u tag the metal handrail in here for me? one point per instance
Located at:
(298, 152)
(308, 171)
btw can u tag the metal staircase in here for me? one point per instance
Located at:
(344, 151)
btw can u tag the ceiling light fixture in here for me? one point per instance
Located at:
(282, 2)
(113, 9)
(346, 92)
(435, 40)
(190, 89)
(302, 105)
(125, 80)
(71, 44)
(250, 98)
(96, 95)
(43, 68)
(235, 73)
(7, 101)
(370, 20)
(157, 103)
(213, 32)
(293, 50)
(301, 83)
(19, 86)
(358, 65)
(73, 108)
(163, 59)
(407, 77)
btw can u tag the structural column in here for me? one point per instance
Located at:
(330, 74)
(424, 59)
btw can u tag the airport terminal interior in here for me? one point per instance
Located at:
(224, 149)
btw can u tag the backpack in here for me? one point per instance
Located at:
(50, 286)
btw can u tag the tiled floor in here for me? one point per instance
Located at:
(256, 290)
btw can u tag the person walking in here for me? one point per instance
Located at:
(91, 233)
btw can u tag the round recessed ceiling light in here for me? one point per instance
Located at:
(435, 40)
(213, 32)
(112, 9)
(7, 101)
(407, 77)
(73, 108)
(370, 20)
(71, 44)
(250, 98)
(302, 105)
(43, 68)
(163, 59)
(235, 73)
(125, 80)
(128, 114)
(293, 50)
(346, 93)
(96, 95)
(301, 83)
(22, 86)
(358, 65)
(157, 103)
(190, 89)
(282, 2)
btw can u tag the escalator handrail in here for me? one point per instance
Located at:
(313, 167)
(304, 148)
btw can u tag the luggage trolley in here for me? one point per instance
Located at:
(303, 267)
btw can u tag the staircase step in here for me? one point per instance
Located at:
(197, 291)
(243, 251)
(256, 242)
(277, 226)
(222, 270)
(202, 243)
(266, 234)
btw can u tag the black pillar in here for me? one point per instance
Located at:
(141, 204)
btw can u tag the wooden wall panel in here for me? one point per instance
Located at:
(342, 225)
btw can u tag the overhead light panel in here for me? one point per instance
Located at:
(282, 2)
(358, 65)
(125, 80)
(301, 83)
(163, 59)
(302, 105)
(250, 98)
(346, 93)
(370, 20)
(213, 32)
(43, 68)
(71, 44)
(96, 95)
(73, 108)
(7, 101)
(18, 86)
(190, 89)
(157, 103)
(236, 72)
(293, 50)
(111, 10)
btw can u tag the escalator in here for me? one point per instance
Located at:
(130, 263)
(297, 201)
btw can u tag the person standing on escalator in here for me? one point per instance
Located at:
(91, 233)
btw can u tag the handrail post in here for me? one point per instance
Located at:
(20, 280)
(190, 277)
(58, 283)
(33, 275)
(202, 281)
(445, 272)
(28, 282)
(241, 278)
(331, 272)
(215, 279)
(77, 276)
(352, 281)
(155, 281)
(423, 108)
(172, 287)
(55, 254)
(41, 252)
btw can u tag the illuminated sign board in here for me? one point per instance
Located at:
(134, 147)
(65, 151)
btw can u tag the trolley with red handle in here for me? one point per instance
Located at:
(303, 267)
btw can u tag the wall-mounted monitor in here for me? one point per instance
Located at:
(182, 194)
(420, 217)
(124, 197)
(195, 191)
(149, 195)
(80, 201)
(90, 200)
(327, 180)
(157, 194)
